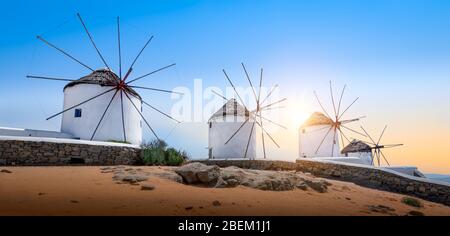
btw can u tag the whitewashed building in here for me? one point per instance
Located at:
(82, 121)
(223, 124)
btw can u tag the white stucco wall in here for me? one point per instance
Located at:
(310, 138)
(17, 132)
(222, 128)
(366, 157)
(111, 126)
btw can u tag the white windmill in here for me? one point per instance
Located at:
(319, 136)
(104, 105)
(232, 129)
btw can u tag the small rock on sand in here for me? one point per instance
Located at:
(147, 186)
(6, 171)
(216, 203)
(415, 213)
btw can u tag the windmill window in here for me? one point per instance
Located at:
(303, 131)
(77, 113)
(210, 125)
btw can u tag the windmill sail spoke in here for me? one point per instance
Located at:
(346, 109)
(155, 89)
(273, 122)
(151, 73)
(92, 40)
(267, 133)
(321, 142)
(103, 115)
(142, 116)
(219, 95)
(274, 103)
(123, 118)
(334, 143)
(260, 86)
(342, 139)
(268, 94)
(63, 52)
(136, 58)
(392, 145)
(384, 157)
(354, 131)
(156, 109)
(250, 82)
(352, 120)
(340, 100)
(381, 135)
(81, 103)
(343, 135)
(272, 108)
(367, 135)
(262, 136)
(120, 50)
(48, 78)
(317, 130)
(323, 109)
(234, 88)
(249, 138)
(240, 127)
(332, 101)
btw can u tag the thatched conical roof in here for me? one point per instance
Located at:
(317, 118)
(102, 77)
(356, 146)
(231, 108)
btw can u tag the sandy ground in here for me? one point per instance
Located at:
(87, 191)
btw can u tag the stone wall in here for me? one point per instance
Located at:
(47, 151)
(367, 176)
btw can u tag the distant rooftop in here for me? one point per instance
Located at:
(356, 146)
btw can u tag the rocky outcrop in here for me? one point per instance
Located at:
(213, 176)
(198, 173)
(134, 175)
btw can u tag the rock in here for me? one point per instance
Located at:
(209, 174)
(197, 172)
(232, 183)
(302, 186)
(382, 209)
(318, 185)
(216, 203)
(6, 171)
(147, 186)
(415, 213)
(131, 178)
(169, 176)
(336, 173)
(189, 208)
(221, 183)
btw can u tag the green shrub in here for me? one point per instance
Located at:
(412, 202)
(173, 157)
(157, 153)
(154, 156)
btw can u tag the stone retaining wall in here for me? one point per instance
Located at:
(60, 152)
(367, 176)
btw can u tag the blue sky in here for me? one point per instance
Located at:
(395, 55)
